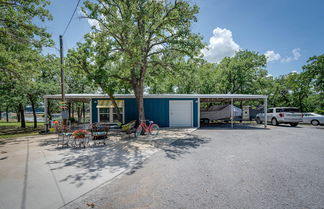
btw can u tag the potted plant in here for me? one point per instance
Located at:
(56, 126)
(79, 134)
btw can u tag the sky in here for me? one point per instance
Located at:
(288, 32)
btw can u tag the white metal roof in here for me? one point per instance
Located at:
(221, 96)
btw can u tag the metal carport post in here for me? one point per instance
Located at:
(265, 112)
(232, 112)
(46, 114)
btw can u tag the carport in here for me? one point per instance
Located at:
(167, 110)
(233, 98)
(69, 99)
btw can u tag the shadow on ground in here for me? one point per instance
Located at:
(11, 141)
(9, 130)
(174, 147)
(227, 126)
(183, 146)
(90, 163)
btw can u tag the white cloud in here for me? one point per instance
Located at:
(221, 45)
(296, 53)
(295, 56)
(272, 56)
(93, 22)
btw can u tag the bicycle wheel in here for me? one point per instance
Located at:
(138, 131)
(154, 130)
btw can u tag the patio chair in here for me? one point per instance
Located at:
(129, 128)
(99, 133)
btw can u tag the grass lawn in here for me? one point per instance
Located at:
(11, 123)
(13, 130)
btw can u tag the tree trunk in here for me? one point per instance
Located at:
(140, 104)
(7, 114)
(49, 113)
(139, 91)
(79, 114)
(22, 116)
(34, 112)
(69, 106)
(138, 87)
(0, 114)
(301, 109)
(72, 110)
(18, 114)
(112, 98)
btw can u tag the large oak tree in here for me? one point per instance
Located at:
(141, 36)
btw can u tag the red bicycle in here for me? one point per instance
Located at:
(152, 128)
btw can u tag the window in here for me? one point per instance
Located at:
(279, 110)
(104, 115)
(107, 112)
(291, 110)
(109, 115)
(270, 111)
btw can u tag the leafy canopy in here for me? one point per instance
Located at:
(138, 39)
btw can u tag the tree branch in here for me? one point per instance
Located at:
(121, 78)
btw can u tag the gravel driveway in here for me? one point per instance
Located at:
(282, 167)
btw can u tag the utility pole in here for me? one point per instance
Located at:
(63, 104)
(62, 68)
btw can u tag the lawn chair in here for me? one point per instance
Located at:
(99, 133)
(129, 128)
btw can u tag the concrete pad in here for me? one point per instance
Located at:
(166, 136)
(35, 173)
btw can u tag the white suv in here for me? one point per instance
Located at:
(277, 115)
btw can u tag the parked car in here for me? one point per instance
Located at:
(313, 118)
(278, 115)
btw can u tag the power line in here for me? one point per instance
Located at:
(67, 26)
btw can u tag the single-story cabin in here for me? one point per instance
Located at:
(167, 110)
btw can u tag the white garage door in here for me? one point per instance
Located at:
(181, 113)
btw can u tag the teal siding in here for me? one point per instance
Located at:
(156, 109)
(130, 110)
